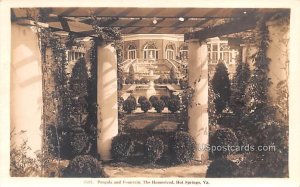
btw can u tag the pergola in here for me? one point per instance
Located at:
(197, 24)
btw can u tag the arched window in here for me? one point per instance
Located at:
(184, 52)
(131, 52)
(150, 51)
(170, 51)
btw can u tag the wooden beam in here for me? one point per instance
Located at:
(64, 24)
(243, 24)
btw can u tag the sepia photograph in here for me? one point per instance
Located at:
(149, 92)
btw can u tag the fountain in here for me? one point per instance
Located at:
(151, 77)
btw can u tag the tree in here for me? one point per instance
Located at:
(78, 92)
(259, 108)
(221, 87)
(238, 89)
(131, 73)
(173, 73)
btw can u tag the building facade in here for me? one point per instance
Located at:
(171, 49)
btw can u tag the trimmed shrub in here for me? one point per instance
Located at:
(131, 81)
(222, 168)
(221, 139)
(153, 99)
(174, 104)
(159, 106)
(129, 105)
(165, 81)
(84, 166)
(165, 99)
(221, 86)
(145, 105)
(154, 148)
(160, 80)
(175, 81)
(182, 147)
(141, 99)
(127, 81)
(170, 81)
(122, 147)
(137, 81)
(132, 97)
(143, 81)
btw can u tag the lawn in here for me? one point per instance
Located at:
(166, 122)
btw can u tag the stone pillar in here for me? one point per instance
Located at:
(107, 99)
(198, 111)
(26, 87)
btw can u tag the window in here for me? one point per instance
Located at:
(225, 53)
(183, 52)
(131, 52)
(170, 52)
(74, 55)
(150, 51)
(215, 56)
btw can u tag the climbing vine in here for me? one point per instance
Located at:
(259, 108)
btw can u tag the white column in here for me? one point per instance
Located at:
(244, 53)
(107, 99)
(278, 52)
(26, 87)
(198, 79)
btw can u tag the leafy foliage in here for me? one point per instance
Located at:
(223, 138)
(122, 147)
(165, 99)
(259, 108)
(282, 104)
(84, 166)
(221, 87)
(145, 105)
(238, 89)
(67, 142)
(131, 73)
(153, 99)
(174, 104)
(21, 164)
(78, 92)
(141, 99)
(222, 168)
(129, 105)
(159, 106)
(154, 148)
(91, 99)
(213, 116)
(182, 147)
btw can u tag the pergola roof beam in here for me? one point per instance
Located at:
(235, 26)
